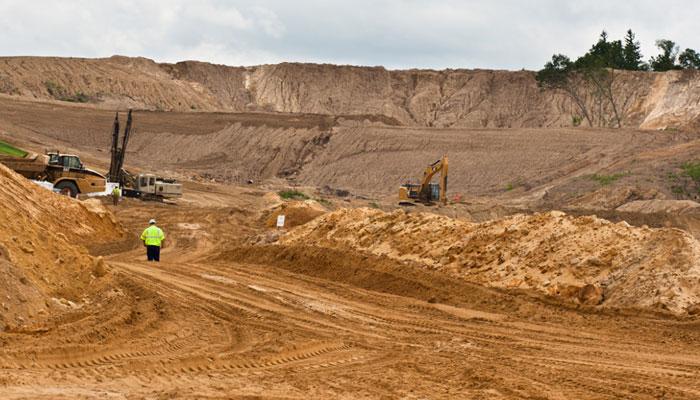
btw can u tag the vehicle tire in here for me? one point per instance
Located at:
(67, 188)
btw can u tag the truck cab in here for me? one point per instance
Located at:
(67, 161)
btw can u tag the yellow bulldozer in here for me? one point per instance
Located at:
(427, 192)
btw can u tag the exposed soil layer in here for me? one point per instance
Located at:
(552, 168)
(43, 257)
(449, 98)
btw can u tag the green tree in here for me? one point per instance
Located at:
(555, 72)
(631, 54)
(667, 59)
(597, 68)
(603, 54)
(560, 74)
(689, 59)
(590, 78)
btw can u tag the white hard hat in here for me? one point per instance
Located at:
(152, 222)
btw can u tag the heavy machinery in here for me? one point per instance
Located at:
(150, 187)
(144, 186)
(65, 172)
(427, 192)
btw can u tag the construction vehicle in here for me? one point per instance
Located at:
(150, 187)
(144, 186)
(426, 192)
(65, 172)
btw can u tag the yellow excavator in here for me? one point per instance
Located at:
(427, 192)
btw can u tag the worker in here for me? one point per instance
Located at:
(116, 194)
(152, 238)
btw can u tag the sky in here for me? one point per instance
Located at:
(397, 34)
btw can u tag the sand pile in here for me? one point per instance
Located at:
(660, 206)
(295, 213)
(584, 259)
(43, 261)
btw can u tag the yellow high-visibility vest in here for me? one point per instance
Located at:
(152, 236)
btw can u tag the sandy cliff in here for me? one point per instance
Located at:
(449, 98)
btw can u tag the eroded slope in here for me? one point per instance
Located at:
(42, 248)
(449, 98)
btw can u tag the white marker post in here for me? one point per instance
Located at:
(280, 221)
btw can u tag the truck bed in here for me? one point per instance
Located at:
(29, 165)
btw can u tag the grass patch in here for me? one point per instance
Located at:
(7, 149)
(509, 187)
(692, 169)
(293, 195)
(374, 205)
(605, 180)
(58, 92)
(576, 120)
(677, 190)
(325, 202)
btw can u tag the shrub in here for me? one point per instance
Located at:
(692, 169)
(677, 190)
(58, 92)
(576, 120)
(292, 195)
(323, 201)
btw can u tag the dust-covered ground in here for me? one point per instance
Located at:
(492, 296)
(225, 316)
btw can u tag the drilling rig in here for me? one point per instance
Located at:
(145, 186)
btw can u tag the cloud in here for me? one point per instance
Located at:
(504, 34)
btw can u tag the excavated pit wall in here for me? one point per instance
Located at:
(448, 98)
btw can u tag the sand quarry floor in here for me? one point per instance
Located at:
(485, 299)
(207, 322)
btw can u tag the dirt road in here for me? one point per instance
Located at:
(205, 324)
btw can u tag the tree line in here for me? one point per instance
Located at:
(589, 81)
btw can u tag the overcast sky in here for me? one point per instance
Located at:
(501, 34)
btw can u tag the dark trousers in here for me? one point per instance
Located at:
(153, 253)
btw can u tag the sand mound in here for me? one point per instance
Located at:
(660, 206)
(585, 259)
(295, 212)
(42, 252)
